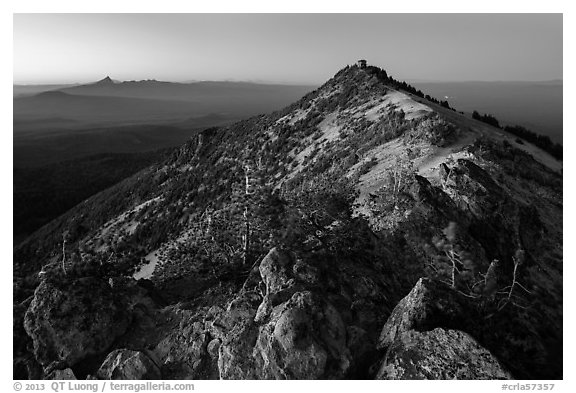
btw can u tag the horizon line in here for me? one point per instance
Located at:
(265, 82)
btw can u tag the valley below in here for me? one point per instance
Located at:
(73, 141)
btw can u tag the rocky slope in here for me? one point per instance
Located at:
(362, 232)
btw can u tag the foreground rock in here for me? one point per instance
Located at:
(301, 329)
(127, 364)
(66, 374)
(439, 354)
(427, 306)
(304, 339)
(71, 322)
(416, 347)
(183, 353)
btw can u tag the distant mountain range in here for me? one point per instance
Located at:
(149, 101)
(193, 92)
(28, 90)
(98, 108)
(535, 105)
(70, 136)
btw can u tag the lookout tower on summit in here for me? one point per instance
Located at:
(362, 63)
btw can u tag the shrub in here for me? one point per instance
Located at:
(455, 261)
(486, 118)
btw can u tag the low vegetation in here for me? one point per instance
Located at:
(542, 141)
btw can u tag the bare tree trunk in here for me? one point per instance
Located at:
(395, 176)
(453, 274)
(64, 256)
(246, 245)
(453, 260)
(208, 224)
(513, 280)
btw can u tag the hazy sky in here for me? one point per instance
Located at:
(289, 48)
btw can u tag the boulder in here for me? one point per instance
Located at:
(211, 361)
(312, 323)
(235, 360)
(306, 273)
(291, 334)
(213, 347)
(425, 338)
(428, 305)
(276, 270)
(66, 374)
(304, 338)
(281, 275)
(68, 323)
(474, 190)
(439, 355)
(182, 352)
(432, 201)
(128, 364)
(243, 308)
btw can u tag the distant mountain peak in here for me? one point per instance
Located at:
(105, 81)
(52, 93)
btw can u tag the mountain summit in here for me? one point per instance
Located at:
(104, 82)
(365, 231)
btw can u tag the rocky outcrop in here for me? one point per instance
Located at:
(439, 354)
(301, 329)
(292, 319)
(127, 364)
(235, 354)
(423, 192)
(472, 188)
(278, 272)
(66, 374)
(494, 216)
(183, 352)
(417, 345)
(305, 338)
(428, 305)
(70, 323)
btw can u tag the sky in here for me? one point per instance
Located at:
(285, 48)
